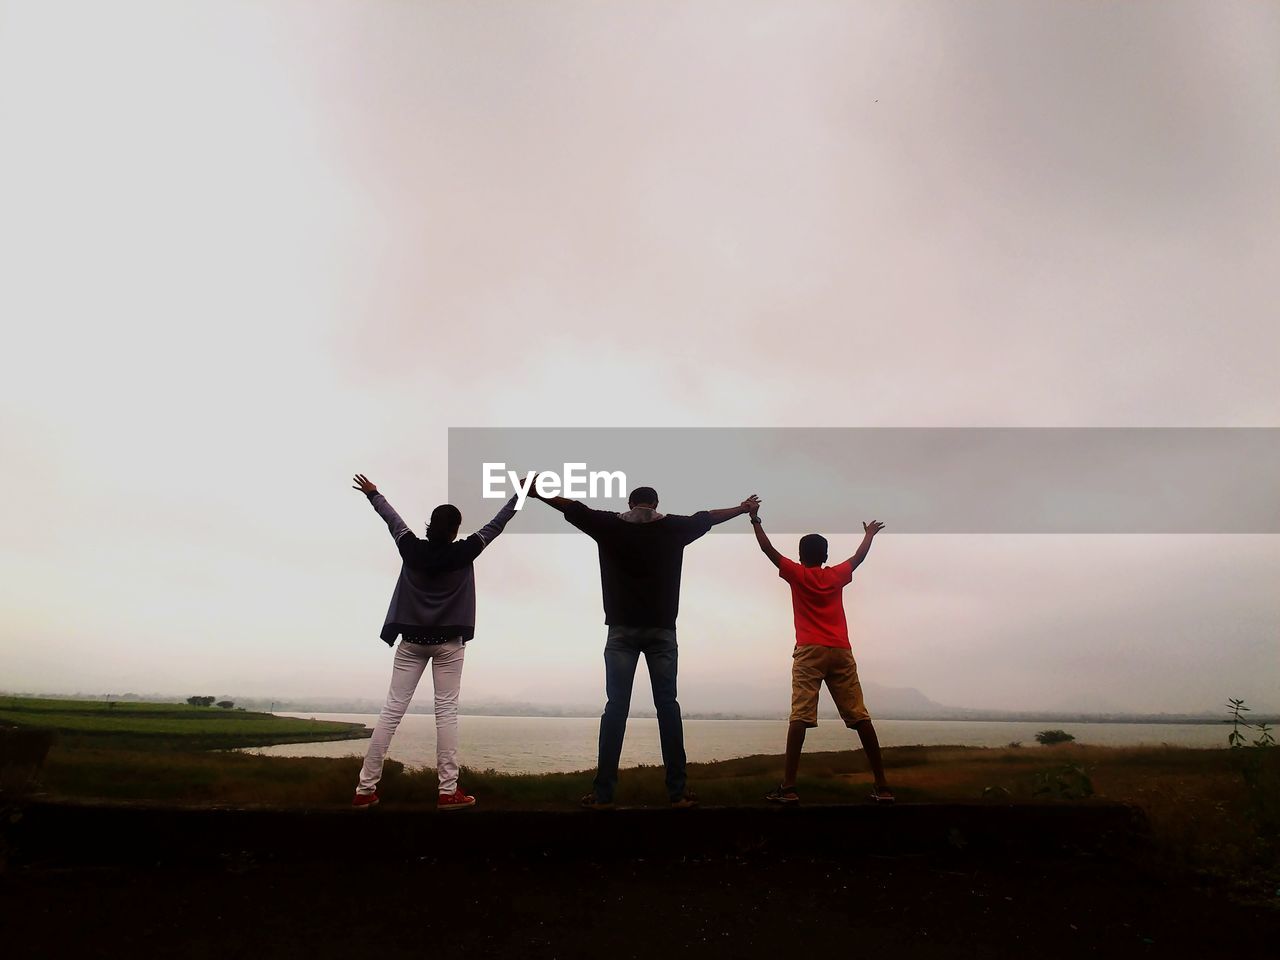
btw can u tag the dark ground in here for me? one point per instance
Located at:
(130, 882)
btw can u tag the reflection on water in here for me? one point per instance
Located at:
(556, 744)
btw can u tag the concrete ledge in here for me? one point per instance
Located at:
(52, 832)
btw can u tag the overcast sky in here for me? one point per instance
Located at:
(250, 248)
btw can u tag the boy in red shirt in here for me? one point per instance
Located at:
(822, 651)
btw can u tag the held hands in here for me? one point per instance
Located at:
(750, 505)
(872, 528)
(364, 485)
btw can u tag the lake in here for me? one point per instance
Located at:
(559, 744)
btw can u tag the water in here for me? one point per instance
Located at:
(559, 744)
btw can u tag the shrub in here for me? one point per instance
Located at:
(1065, 783)
(1049, 737)
(1259, 765)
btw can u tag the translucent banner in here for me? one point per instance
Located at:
(916, 480)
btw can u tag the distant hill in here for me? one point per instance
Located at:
(901, 703)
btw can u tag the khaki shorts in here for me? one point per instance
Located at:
(811, 665)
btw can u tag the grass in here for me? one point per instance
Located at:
(1204, 814)
(1199, 807)
(1182, 779)
(165, 726)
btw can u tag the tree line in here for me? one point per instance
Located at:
(210, 702)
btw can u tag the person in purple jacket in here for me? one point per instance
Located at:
(433, 612)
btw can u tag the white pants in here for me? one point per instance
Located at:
(446, 674)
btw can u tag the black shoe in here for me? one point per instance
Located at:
(786, 796)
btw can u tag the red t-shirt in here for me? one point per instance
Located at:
(816, 600)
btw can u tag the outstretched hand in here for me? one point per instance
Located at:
(874, 527)
(364, 485)
(750, 505)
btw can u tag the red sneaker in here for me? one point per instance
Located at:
(455, 801)
(363, 801)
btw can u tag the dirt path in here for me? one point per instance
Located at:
(872, 906)
(915, 880)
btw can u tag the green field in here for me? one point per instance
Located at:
(137, 725)
(1214, 809)
(1205, 814)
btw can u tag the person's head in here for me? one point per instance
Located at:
(445, 521)
(813, 550)
(643, 497)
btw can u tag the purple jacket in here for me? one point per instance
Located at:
(435, 596)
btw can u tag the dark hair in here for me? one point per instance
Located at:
(642, 495)
(813, 549)
(445, 521)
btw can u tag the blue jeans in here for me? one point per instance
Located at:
(621, 655)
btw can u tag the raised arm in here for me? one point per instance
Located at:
(762, 538)
(872, 528)
(490, 530)
(556, 503)
(398, 527)
(728, 513)
(462, 552)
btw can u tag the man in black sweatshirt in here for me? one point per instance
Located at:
(641, 554)
(433, 612)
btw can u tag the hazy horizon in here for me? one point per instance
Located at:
(254, 248)
(710, 699)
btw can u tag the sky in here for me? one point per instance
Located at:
(250, 248)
